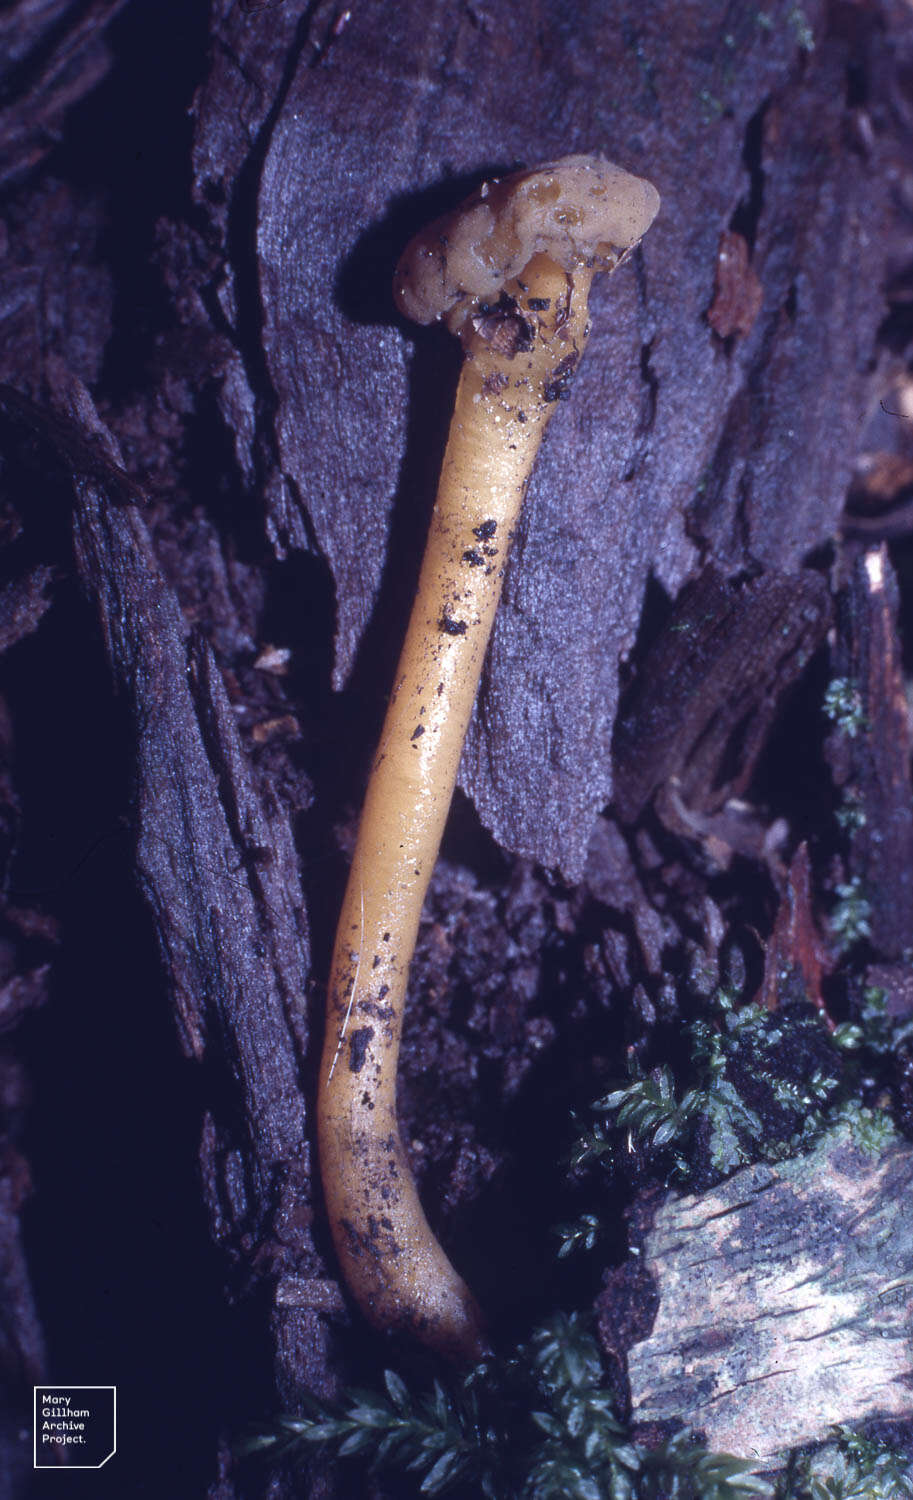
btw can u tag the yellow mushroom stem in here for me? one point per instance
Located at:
(520, 356)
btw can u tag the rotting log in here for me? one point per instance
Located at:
(785, 1302)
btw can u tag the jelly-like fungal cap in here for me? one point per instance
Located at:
(580, 211)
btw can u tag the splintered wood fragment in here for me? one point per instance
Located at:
(795, 959)
(696, 716)
(869, 751)
(785, 1300)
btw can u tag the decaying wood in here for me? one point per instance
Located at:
(870, 750)
(785, 1302)
(219, 871)
(225, 298)
(796, 958)
(697, 720)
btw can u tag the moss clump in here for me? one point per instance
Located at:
(537, 1425)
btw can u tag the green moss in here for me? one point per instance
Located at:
(760, 1086)
(538, 1425)
(853, 1467)
(843, 706)
(850, 916)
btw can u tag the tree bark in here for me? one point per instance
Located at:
(217, 424)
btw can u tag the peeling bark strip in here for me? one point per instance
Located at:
(711, 686)
(870, 751)
(230, 923)
(785, 1302)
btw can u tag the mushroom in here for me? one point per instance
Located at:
(509, 271)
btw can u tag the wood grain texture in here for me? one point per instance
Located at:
(219, 871)
(784, 1302)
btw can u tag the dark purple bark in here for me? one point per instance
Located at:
(197, 259)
